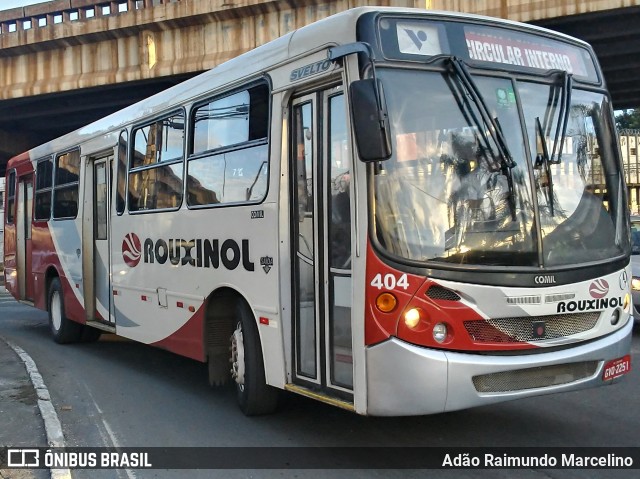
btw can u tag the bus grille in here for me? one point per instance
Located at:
(438, 292)
(507, 330)
(533, 378)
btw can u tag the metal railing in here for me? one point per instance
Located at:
(43, 15)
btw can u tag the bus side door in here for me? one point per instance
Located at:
(321, 229)
(23, 240)
(96, 237)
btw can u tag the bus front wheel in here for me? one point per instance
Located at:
(63, 329)
(255, 397)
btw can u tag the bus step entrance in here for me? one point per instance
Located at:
(319, 396)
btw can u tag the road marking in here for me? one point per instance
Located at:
(110, 433)
(52, 425)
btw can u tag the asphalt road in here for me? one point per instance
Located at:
(120, 393)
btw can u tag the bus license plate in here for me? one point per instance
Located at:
(616, 368)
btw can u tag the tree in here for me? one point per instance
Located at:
(628, 119)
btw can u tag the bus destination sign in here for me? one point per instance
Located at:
(490, 45)
(485, 44)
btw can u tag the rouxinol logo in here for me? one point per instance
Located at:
(599, 288)
(199, 253)
(131, 251)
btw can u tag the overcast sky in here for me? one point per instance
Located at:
(7, 4)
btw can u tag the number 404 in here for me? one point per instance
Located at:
(389, 281)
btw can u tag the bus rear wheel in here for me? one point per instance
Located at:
(63, 329)
(255, 397)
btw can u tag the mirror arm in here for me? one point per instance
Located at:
(341, 51)
(338, 53)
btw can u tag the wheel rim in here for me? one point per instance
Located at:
(237, 357)
(56, 310)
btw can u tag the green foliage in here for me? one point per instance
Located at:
(628, 119)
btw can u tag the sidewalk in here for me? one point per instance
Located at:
(21, 424)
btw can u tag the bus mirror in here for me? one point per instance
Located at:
(370, 120)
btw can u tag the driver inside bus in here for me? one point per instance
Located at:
(468, 184)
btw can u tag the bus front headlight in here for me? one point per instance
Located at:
(412, 317)
(440, 332)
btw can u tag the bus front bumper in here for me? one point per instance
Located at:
(406, 380)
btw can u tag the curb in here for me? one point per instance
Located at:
(53, 428)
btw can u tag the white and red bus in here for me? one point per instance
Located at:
(395, 211)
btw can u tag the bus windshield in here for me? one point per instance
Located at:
(447, 195)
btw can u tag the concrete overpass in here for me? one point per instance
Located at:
(65, 63)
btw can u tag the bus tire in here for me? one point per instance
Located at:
(63, 329)
(255, 397)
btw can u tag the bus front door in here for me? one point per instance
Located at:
(23, 237)
(96, 228)
(321, 228)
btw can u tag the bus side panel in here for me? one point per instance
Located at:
(46, 257)
(167, 264)
(74, 309)
(40, 291)
(154, 299)
(188, 340)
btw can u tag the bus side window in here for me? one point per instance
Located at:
(44, 183)
(229, 156)
(155, 170)
(65, 189)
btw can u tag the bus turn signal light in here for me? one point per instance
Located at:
(386, 302)
(627, 302)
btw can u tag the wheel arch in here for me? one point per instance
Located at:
(219, 323)
(50, 274)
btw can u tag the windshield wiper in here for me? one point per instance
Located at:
(563, 118)
(542, 159)
(493, 126)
